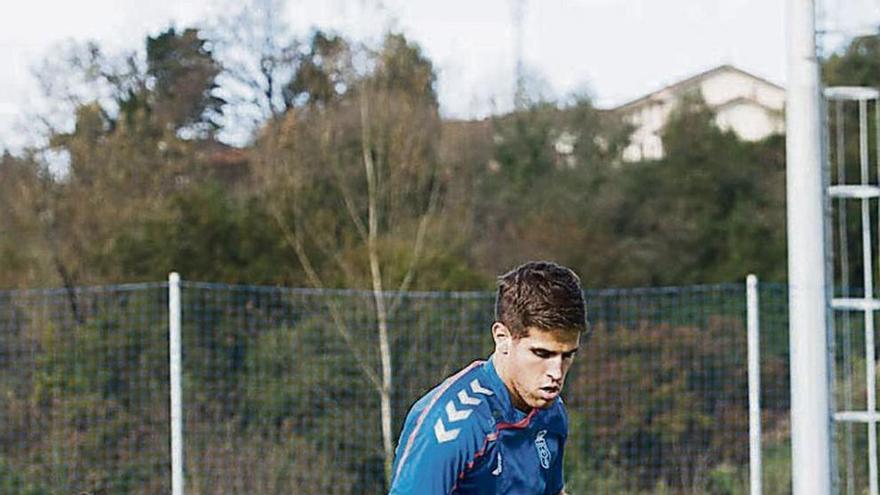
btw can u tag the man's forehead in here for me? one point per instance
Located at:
(556, 340)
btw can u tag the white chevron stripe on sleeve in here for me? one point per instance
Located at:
(478, 388)
(454, 414)
(467, 399)
(442, 434)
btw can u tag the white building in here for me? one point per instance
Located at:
(750, 106)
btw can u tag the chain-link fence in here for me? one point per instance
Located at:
(84, 391)
(280, 395)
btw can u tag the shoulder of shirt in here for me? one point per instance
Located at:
(456, 409)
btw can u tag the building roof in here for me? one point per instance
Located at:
(689, 82)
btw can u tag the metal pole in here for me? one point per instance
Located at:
(810, 397)
(753, 322)
(176, 389)
(868, 277)
(872, 390)
(843, 254)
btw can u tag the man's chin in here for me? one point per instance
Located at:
(543, 402)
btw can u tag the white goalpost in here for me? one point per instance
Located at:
(807, 278)
(813, 260)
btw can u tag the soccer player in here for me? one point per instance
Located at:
(499, 426)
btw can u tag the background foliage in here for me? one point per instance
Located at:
(148, 186)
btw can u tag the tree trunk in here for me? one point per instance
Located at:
(378, 293)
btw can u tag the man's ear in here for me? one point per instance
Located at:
(502, 337)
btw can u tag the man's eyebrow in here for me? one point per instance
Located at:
(543, 349)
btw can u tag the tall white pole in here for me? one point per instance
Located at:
(754, 346)
(176, 388)
(810, 397)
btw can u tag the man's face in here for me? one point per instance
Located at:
(537, 365)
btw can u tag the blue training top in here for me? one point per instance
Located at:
(465, 437)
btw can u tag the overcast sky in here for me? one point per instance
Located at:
(614, 50)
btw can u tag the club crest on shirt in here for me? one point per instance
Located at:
(543, 450)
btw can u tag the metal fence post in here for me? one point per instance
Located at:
(176, 389)
(754, 346)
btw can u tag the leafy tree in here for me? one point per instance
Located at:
(858, 64)
(183, 74)
(206, 234)
(23, 260)
(402, 68)
(545, 185)
(125, 151)
(117, 175)
(525, 147)
(694, 215)
(171, 84)
(324, 73)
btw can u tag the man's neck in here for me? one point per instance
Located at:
(501, 367)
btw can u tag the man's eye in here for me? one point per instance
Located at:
(542, 354)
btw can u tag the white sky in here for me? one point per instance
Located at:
(615, 50)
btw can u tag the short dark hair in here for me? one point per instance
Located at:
(543, 295)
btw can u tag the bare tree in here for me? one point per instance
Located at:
(76, 74)
(353, 182)
(259, 56)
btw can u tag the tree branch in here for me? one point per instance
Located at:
(293, 239)
(347, 196)
(417, 246)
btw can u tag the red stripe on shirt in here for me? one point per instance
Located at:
(491, 437)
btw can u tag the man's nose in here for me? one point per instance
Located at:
(554, 370)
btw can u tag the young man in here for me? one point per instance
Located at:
(499, 426)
